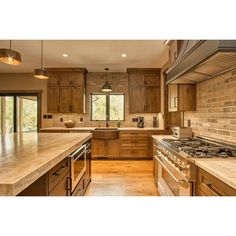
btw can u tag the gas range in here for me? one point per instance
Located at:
(175, 161)
(200, 148)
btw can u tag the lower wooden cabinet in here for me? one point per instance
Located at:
(209, 185)
(105, 148)
(62, 187)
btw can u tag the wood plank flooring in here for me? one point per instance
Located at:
(122, 178)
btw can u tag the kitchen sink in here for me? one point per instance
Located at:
(105, 129)
(105, 133)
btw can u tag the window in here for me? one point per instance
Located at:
(107, 105)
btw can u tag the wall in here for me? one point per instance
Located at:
(119, 83)
(94, 83)
(216, 108)
(25, 81)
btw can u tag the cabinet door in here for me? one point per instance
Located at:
(152, 79)
(53, 79)
(112, 148)
(187, 97)
(53, 99)
(71, 79)
(153, 100)
(137, 99)
(77, 100)
(65, 99)
(98, 148)
(62, 188)
(173, 97)
(136, 79)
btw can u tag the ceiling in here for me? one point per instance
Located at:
(95, 55)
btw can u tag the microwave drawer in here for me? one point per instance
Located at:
(58, 172)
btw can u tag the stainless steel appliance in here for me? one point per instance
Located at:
(182, 132)
(78, 164)
(140, 122)
(174, 168)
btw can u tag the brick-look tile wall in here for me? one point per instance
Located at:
(216, 108)
(119, 83)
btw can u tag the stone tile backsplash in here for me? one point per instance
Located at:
(216, 108)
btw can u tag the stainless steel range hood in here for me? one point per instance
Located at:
(199, 60)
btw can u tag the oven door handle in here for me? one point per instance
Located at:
(182, 182)
(78, 150)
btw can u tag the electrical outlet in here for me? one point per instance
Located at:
(45, 116)
(61, 119)
(134, 119)
(81, 119)
(49, 116)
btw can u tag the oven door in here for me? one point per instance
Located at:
(78, 165)
(171, 182)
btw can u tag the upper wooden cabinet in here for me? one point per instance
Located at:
(144, 77)
(181, 97)
(66, 90)
(144, 90)
(174, 47)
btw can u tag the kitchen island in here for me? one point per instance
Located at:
(26, 157)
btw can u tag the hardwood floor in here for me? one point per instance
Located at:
(122, 178)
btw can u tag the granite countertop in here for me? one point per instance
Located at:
(25, 157)
(92, 128)
(160, 137)
(225, 170)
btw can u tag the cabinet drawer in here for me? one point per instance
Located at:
(134, 152)
(62, 187)
(58, 172)
(209, 185)
(134, 142)
(134, 134)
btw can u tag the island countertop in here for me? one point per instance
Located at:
(25, 157)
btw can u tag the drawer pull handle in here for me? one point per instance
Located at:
(59, 171)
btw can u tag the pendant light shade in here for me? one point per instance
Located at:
(9, 56)
(41, 73)
(106, 87)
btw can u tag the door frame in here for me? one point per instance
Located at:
(15, 93)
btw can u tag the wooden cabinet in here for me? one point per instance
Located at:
(209, 185)
(153, 100)
(53, 99)
(137, 102)
(71, 99)
(66, 90)
(134, 144)
(144, 90)
(62, 188)
(105, 148)
(174, 47)
(181, 97)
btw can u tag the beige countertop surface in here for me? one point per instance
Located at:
(92, 128)
(25, 157)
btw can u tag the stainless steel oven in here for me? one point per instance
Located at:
(78, 165)
(170, 181)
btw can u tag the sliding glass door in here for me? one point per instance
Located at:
(19, 113)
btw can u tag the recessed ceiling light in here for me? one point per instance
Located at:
(65, 55)
(123, 55)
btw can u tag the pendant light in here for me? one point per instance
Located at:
(9, 56)
(106, 87)
(41, 73)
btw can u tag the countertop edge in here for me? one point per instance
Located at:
(12, 189)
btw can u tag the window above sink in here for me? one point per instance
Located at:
(107, 105)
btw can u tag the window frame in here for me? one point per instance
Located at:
(107, 106)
